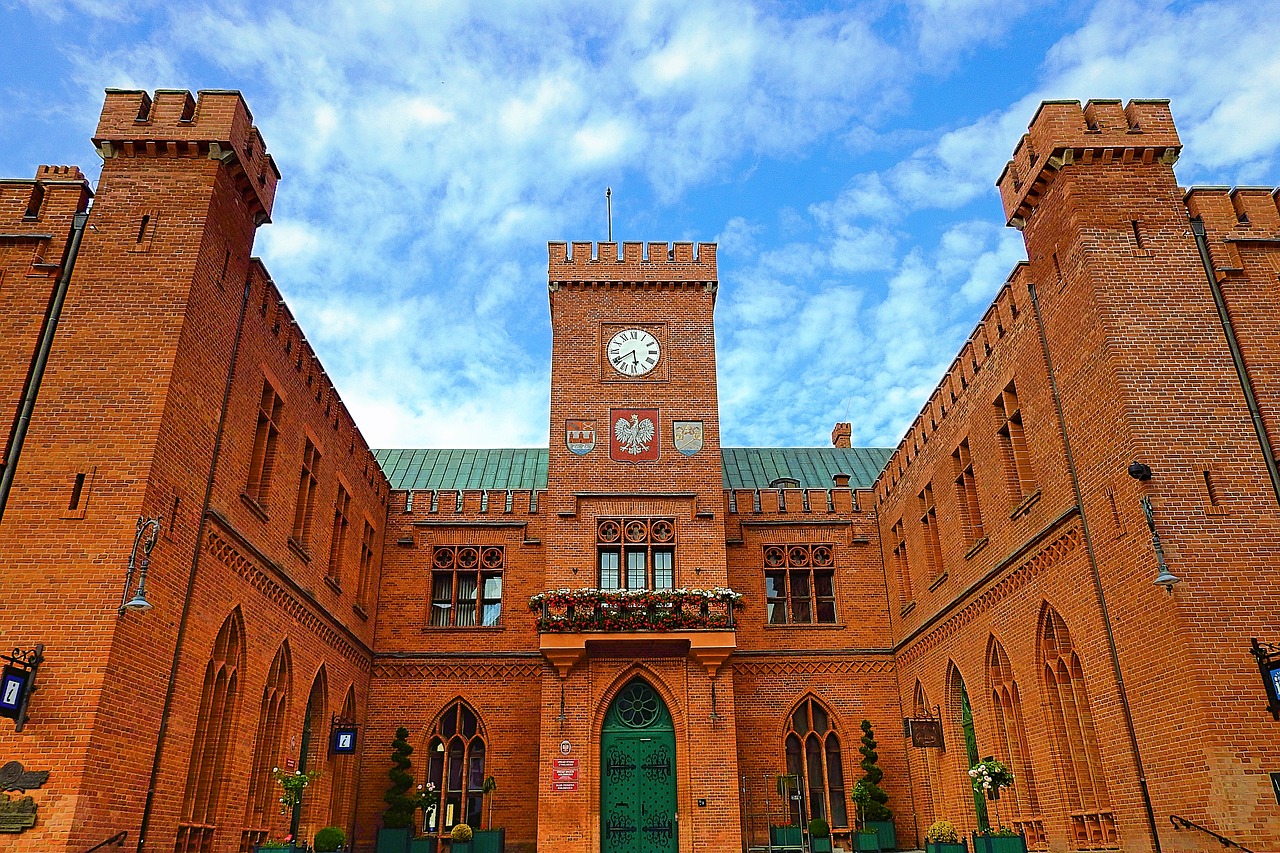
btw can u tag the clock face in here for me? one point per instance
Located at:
(633, 352)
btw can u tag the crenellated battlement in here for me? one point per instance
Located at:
(638, 263)
(217, 124)
(1233, 217)
(952, 392)
(1063, 132)
(38, 212)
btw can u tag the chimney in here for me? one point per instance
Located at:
(841, 435)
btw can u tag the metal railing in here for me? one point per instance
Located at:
(118, 839)
(570, 611)
(1180, 823)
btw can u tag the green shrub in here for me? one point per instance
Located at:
(461, 833)
(871, 776)
(330, 839)
(400, 806)
(818, 828)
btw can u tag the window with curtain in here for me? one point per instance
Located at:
(466, 586)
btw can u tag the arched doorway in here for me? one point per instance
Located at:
(638, 774)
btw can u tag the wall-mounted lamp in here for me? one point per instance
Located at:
(1139, 471)
(147, 532)
(1164, 577)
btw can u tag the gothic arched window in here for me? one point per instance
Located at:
(219, 701)
(267, 750)
(1075, 741)
(1011, 745)
(813, 755)
(455, 763)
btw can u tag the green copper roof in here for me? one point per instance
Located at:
(757, 467)
(526, 468)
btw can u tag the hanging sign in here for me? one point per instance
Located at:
(926, 732)
(1268, 656)
(17, 683)
(344, 740)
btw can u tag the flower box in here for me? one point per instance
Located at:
(290, 848)
(983, 843)
(786, 836)
(489, 841)
(820, 843)
(866, 841)
(424, 844)
(394, 840)
(946, 847)
(888, 834)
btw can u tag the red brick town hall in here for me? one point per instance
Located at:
(651, 643)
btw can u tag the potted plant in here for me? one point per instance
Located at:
(787, 835)
(428, 800)
(397, 818)
(292, 785)
(865, 837)
(460, 839)
(877, 815)
(331, 839)
(489, 840)
(275, 845)
(999, 840)
(819, 836)
(942, 838)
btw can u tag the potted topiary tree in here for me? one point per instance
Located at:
(819, 836)
(864, 837)
(942, 838)
(330, 839)
(489, 840)
(397, 818)
(877, 814)
(460, 839)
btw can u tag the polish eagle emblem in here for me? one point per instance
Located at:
(635, 435)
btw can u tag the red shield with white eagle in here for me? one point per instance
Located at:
(633, 435)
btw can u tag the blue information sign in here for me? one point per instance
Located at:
(344, 740)
(13, 688)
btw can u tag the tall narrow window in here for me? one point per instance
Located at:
(1013, 444)
(899, 539)
(929, 529)
(262, 813)
(799, 582)
(967, 494)
(636, 553)
(265, 438)
(315, 756)
(812, 748)
(1012, 747)
(338, 544)
(307, 487)
(466, 585)
(1079, 759)
(367, 542)
(455, 763)
(219, 702)
(342, 798)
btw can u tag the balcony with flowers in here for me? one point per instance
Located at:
(700, 620)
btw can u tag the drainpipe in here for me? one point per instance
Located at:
(1242, 371)
(1126, 711)
(191, 577)
(32, 388)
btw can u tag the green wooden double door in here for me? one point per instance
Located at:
(638, 774)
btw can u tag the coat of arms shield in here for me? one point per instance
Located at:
(687, 436)
(580, 435)
(633, 435)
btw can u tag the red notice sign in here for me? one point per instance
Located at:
(564, 774)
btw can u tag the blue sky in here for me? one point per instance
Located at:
(842, 155)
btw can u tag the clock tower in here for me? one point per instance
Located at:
(634, 485)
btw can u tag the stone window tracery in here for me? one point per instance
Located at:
(813, 755)
(799, 581)
(466, 585)
(636, 553)
(455, 763)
